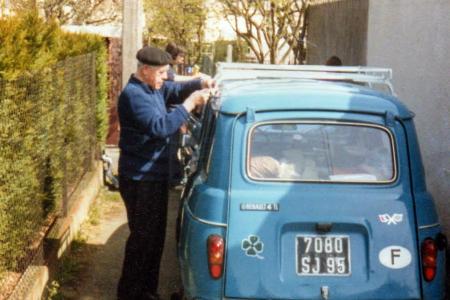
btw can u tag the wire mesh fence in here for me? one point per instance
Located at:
(47, 143)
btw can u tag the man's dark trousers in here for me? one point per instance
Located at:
(146, 205)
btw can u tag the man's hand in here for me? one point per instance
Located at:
(196, 99)
(208, 83)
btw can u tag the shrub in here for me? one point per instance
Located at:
(220, 50)
(53, 115)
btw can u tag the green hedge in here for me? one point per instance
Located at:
(29, 45)
(52, 117)
(220, 50)
(220, 54)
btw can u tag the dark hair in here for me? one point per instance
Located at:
(334, 61)
(174, 50)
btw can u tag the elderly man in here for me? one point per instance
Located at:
(145, 130)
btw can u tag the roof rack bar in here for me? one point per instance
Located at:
(309, 68)
(367, 75)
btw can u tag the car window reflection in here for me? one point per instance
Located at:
(321, 152)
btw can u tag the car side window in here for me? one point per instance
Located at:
(207, 138)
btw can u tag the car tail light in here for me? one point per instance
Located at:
(429, 259)
(216, 248)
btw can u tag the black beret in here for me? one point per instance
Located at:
(153, 56)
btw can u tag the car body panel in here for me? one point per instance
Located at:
(352, 209)
(306, 95)
(220, 198)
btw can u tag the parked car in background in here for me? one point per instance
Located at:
(307, 183)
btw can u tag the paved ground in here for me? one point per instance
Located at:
(98, 261)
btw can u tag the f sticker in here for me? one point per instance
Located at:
(395, 257)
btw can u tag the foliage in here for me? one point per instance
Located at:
(27, 44)
(70, 268)
(272, 29)
(53, 291)
(219, 54)
(239, 50)
(47, 124)
(73, 12)
(84, 43)
(180, 21)
(75, 262)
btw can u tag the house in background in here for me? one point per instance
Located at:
(110, 27)
(413, 38)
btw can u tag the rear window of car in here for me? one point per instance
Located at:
(321, 151)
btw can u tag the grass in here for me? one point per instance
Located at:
(104, 199)
(74, 262)
(69, 269)
(93, 215)
(110, 196)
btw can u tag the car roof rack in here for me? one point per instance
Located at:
(376, 78)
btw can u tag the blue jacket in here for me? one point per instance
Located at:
(171, 73)
(146, 127)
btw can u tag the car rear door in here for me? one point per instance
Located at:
(333, 235)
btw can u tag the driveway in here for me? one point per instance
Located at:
(98, 260)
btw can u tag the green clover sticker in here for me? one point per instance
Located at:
(252, 246)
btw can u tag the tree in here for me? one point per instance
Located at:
(76, 12)
(271, 28)
(180, 21)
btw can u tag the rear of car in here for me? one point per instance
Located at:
(323, 210)
(311, 190)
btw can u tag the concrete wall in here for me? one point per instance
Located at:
(413, 38)
(338, 28)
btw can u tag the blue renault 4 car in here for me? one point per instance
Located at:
(307, 183)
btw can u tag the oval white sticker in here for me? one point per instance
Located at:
(395, 257)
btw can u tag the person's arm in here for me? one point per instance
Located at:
(148, 118)
(183, 78)
(171, 74)
(196, 99)
(176, 92)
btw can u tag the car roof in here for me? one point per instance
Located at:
(236, 96)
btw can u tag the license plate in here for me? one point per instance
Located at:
(323, 255)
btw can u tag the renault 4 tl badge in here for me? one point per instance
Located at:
(260, 206)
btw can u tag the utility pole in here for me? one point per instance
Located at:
(132, 29)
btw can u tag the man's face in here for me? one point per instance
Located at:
(179, 59)
(154, 76)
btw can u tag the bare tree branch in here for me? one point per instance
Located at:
(269, 26)
(180, 21)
